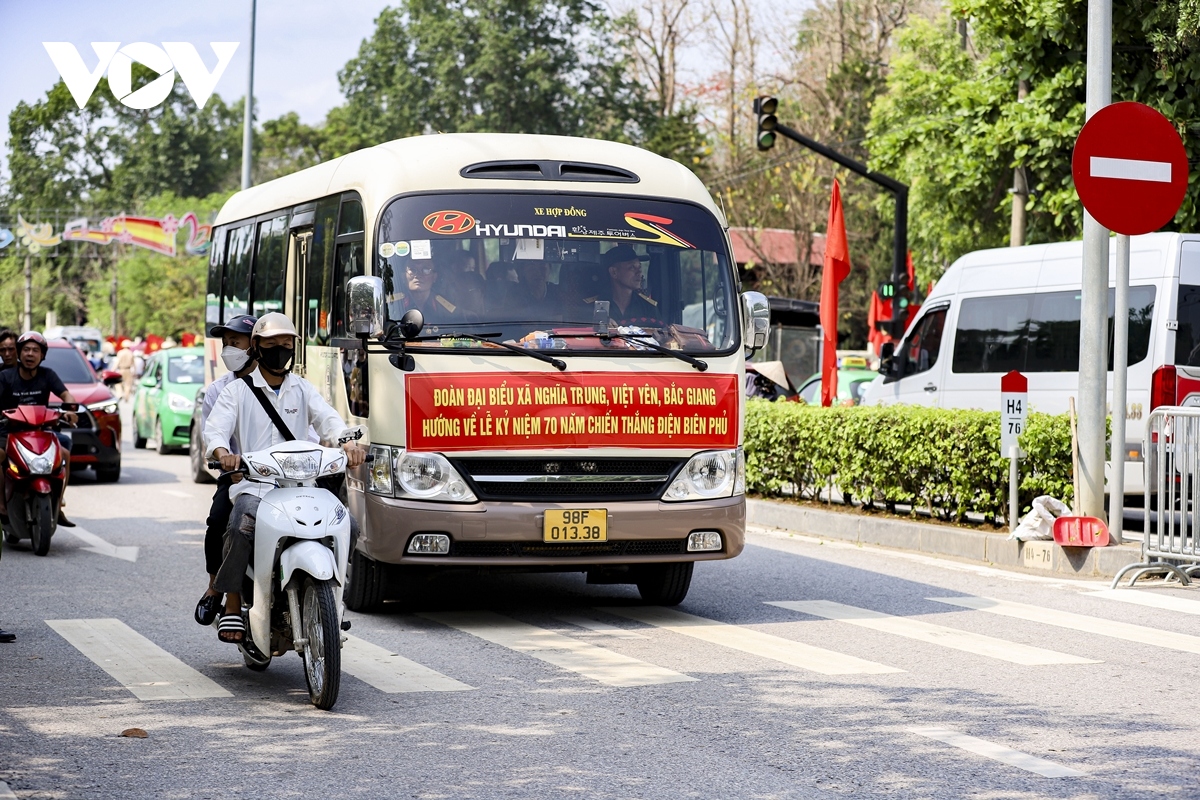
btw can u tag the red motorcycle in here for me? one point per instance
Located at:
(34, 476)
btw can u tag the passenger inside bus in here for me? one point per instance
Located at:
(421, 279)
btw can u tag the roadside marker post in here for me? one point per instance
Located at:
(1014, 411)
(1131, 172)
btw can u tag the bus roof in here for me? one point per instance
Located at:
(434, 162)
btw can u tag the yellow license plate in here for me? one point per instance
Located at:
(568, 525)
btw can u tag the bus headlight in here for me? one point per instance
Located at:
(429, 476)
(708, 475)
(395, 472)
(379, 471)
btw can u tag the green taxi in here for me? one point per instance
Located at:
(166, 394)
(853, 377)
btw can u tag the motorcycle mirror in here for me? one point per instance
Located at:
(411, 324)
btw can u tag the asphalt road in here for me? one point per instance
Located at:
(537, 686)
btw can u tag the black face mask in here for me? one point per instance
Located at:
(275, 359)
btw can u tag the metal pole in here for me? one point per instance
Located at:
(1014, 479)
(1020, 190)
(1116, 494)
(248, 114)
(1093, 323)
(28, 294)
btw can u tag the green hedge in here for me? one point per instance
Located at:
(945, 460)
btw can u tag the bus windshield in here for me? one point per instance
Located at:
(550, 271)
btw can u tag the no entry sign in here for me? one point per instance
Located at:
(1130, 168)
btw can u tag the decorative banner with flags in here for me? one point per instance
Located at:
(837, 267)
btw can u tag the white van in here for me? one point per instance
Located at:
(1017, 308)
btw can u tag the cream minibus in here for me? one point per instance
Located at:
(569, 396)
(1017, 308)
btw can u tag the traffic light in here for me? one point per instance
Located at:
(764, 107)
(901, 297)
(887, 290)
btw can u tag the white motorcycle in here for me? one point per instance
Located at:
(295, 581)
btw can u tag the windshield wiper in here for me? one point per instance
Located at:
(628, 337)
(557, 363)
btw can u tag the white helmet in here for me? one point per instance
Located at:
(273, 324)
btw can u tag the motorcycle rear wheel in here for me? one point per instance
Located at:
(323, 653)
(42, 525)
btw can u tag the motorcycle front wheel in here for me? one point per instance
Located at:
(323, 653)
(41, 527)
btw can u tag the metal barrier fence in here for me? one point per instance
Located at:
(1171, 535)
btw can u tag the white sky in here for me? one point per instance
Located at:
(300, 45)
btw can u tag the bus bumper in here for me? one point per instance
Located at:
(510, 534)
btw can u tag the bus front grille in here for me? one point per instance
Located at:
(568, 479)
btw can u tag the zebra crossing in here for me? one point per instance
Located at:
(590, 647)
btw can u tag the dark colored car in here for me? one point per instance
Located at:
(96, 442)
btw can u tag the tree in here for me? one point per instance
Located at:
(952, 126)
(509, 66)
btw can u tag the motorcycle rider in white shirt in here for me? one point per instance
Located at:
(238, 414)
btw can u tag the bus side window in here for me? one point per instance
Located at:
(318, 288)
(349, 263)
(269, 264)
(216, 260)
(236, 294)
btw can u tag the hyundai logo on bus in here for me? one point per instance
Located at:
(165, 60)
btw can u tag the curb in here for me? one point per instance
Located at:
(995, 549)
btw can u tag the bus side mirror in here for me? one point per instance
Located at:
(411, 324)
(756, 320)
(364, 306)
(885, 353)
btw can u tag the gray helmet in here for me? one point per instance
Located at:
(273, 324)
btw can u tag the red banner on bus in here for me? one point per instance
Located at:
(538, 410)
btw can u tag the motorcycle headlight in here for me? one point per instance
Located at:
(715, 473)
(428, 476)
(177, 402)
(299, 466)
(37, 463)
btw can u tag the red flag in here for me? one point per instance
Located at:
(837, 267)
(912, 275)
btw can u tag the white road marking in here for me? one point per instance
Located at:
(998, 752)
(748, 640)
(98, 545)
(922, 631)
(767, 535)
(392, 673)
(1131, 169)
(137, 663)
(597, 663)
(6, 793)
(1079, 622)
(177, 493)
(1168, 602)
(596, 626)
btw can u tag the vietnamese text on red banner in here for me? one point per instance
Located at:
(488, 411)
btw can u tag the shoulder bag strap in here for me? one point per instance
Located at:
(270, 409)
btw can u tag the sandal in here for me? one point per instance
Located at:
(231, 630)
(208, 607)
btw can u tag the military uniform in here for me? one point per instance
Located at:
(436, 310)
(642, 309)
